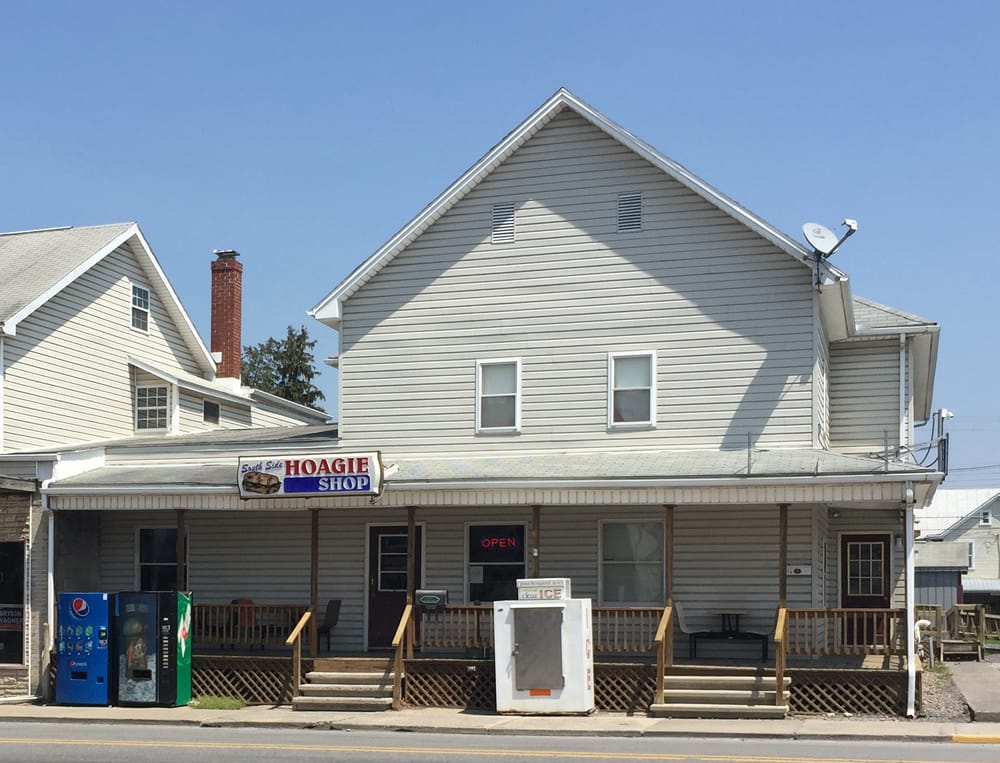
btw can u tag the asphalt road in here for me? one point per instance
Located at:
(131, 743)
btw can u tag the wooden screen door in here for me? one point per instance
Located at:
(864, 584)
(387, 581)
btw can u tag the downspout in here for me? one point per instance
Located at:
(911, 651)
(903, 439)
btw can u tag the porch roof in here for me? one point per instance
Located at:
(586, 469)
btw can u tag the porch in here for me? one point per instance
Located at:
(820, 661)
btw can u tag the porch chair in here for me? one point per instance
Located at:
(691, 634)
(330, 618)
(244, 622)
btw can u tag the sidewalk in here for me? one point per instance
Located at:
(445, 721)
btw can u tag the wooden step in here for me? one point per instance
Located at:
(349, 677)
(709, 682)
(352, 664)
(342, 704)
(345, 690)
(718, 697)
(703, 710)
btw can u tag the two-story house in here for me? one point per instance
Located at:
(95, 346)
(582, 361)
(968, 521)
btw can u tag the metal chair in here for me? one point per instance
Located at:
(330, 618)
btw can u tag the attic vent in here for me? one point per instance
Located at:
(503, 223)
(629, 212)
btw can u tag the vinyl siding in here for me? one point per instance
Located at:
(66, 371)
(192, 412)
(723, 555)
(728, 315)
(864, 395)
(860, 522)
(263, 416)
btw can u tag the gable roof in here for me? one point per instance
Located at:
(950, 508)
(328, 310)
(36, 265)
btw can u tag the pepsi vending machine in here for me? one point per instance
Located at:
(152, 652)
(83, 648)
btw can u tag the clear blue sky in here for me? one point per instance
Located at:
(304, 134)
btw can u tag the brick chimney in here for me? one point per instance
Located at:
(227, 312)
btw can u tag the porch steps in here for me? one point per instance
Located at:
(961, 648)
(703, 692)
(346, 684)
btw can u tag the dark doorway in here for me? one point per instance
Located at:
(864, 584)
(387, 583)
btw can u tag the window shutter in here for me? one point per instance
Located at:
(503, 223)
(629, 212)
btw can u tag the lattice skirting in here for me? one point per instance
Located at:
(472, 684)
(255, 680)
(859, 692)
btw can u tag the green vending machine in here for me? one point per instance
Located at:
(153, 647)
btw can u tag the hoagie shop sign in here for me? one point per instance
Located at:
(311, 475)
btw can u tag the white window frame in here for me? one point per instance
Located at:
(138, 553)
(135, 309)
(986, 518)
(601, 524)
(480, 365)
(468, 563)
(972, 555)
(166, 408)
(613, 357)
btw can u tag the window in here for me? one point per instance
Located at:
(632, 562)
(503, 223)
(140, 308)
(985, 518)
(151, 407)
(498, 406)
(629, 212)
(972, 555)
(12, 602)
(158, 559)
(631, 390)
(496, 561)
(392, 562)
(210, 412)
(865, 569)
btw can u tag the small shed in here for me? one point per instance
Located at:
(939, 566)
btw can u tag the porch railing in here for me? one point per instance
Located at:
(966, 622)
(294, 640)
(664, 640)
(244, 625)
(780, 647)
(992, 623)
(401, 641)
(843, 631)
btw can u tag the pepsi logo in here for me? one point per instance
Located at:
(80, 607)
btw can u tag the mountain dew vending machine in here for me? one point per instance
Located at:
(152, 650)
(83, 638)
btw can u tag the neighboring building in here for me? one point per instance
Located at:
(970, 520)
(94, 346)
(579, 361)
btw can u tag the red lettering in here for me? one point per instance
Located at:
(308, 467)
(291, 468)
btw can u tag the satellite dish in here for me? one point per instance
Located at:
(821, 238)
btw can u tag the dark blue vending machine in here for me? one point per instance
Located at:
(83, 649)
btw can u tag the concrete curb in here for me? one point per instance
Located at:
(456, 722)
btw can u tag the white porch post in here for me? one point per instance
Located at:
(911, 656)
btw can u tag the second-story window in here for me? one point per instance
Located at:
(151, 407)
(498, 407)
(140, 308)
(631, 389)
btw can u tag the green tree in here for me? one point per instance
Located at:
(284, 367)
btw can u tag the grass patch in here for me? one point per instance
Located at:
(212, 702)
